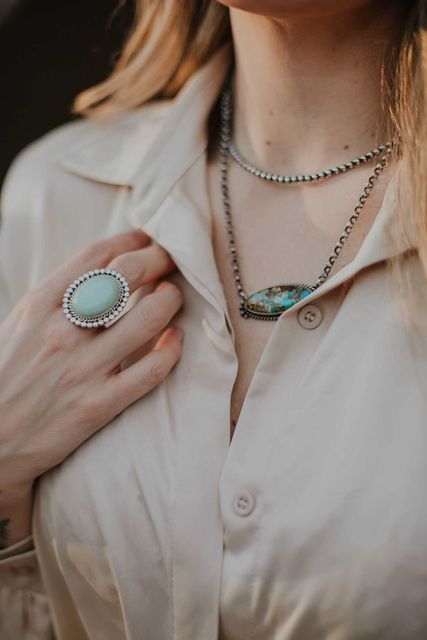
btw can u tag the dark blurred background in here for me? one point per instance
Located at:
(49, 51)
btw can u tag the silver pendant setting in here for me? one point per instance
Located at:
(270, 303)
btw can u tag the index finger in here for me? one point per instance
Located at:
(95, 256)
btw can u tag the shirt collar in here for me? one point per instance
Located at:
(157, 152)
(150, 148)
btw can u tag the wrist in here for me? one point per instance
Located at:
(17, 494)
(15, 514)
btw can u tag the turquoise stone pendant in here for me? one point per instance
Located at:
(270, 303)
(95, 298)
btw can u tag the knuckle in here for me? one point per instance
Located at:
(156, 372)
(96, 254)
(153, 314)
(55, 340)
(91, 410)
(72, 372)
(71, 376)
(130, 266)
(177, 293)
(31, 304)
(68, 378)
(163, 256)
(174, 293)
(21, 312)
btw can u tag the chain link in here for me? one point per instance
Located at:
(225, 143)
(313, 177)
(379, 168)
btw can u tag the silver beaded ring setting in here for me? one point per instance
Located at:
(95, 298)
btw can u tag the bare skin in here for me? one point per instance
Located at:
(307, 97)
(60, 384)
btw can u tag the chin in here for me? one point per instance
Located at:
(285, 8)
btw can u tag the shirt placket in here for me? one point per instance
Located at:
(217, 486)
(244, 505)
(218, 493)
(181, 225)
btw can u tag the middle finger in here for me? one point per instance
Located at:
(143, 266)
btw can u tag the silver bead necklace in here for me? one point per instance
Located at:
(269, 303)
(312, 177)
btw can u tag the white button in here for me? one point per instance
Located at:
(244, 503)
(309, 316)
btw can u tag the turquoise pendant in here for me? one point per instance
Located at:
(270, 303)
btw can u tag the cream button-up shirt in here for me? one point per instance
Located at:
(312, 524)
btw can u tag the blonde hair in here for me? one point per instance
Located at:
(171, 39)
(405, 94)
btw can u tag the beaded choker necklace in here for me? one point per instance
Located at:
(271, 302)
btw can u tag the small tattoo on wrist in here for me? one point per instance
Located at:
(4, 532)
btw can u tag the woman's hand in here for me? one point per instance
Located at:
(60, 383)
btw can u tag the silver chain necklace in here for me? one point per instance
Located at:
(312, 177)
(271, 302)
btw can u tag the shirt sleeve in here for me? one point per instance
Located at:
(5, 297)
(24, 604)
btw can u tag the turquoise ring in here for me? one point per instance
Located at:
(95, 298)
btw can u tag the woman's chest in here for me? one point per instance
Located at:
(270, 235)
(311, 524)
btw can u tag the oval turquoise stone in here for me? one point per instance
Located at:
(276, 300)
(96, 296)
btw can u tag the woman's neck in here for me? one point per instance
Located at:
(308, 90)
